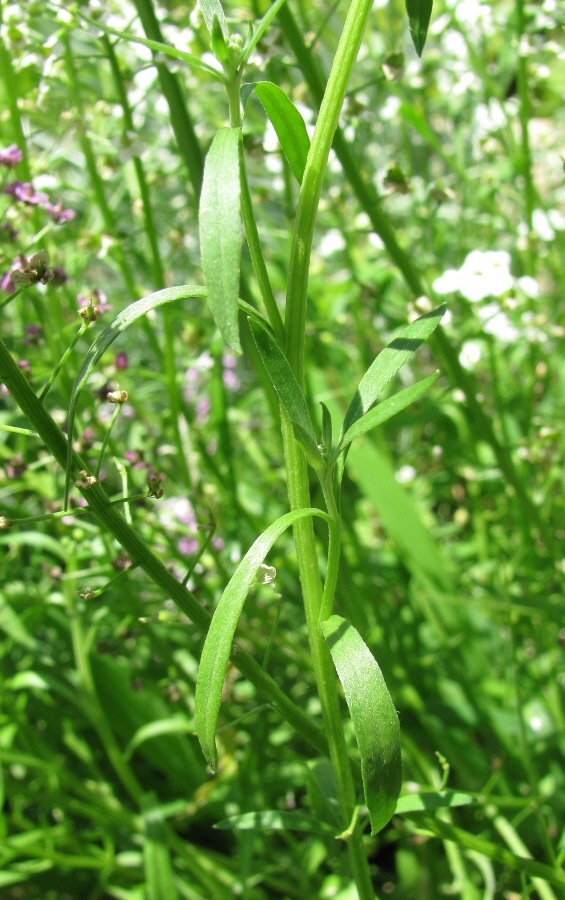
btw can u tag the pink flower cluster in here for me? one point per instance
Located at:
(24, 192)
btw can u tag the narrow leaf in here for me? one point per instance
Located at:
(278, 821)
(376, 478)
(212, 9)
(429, 800)
(288, 124)
(388, 408)
(288, 390)
(327, 434)
(218, 643)
(220, 232)
(387, 364)
(123, 320)
(156, 856)
(176, 725)
(419, 12)
(374, 718)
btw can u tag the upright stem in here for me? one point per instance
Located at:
(316, 602)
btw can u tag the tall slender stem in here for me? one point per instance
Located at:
(315, 601)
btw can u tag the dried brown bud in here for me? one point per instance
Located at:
(154, 485)
(85, 481)
(117, 397)
(87, 594)
(90, 313)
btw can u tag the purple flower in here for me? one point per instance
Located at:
(59, 276)
(33, 335)
(188, 545)
(11, 156)
(24, 191)
(121, 361)
(230, 379)
(7, 284)
(135, 457)
(203, 410)
(57, 213)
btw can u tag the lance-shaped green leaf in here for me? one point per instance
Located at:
(374, 718)
(387, 364)
(419, 12)
(123, 320)
(287, 122)
(276, 820)
(220, 232)
(212, 9)
(218, 643)
(288, 390)
(388, 408)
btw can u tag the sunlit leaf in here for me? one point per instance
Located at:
(429, 800)
(220, 232)
(218, 644)
(374, 718)
(277, 820)
(212, 9)
(388, 408)
(287, 122)
(387, 364)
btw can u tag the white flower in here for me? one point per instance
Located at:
(483, 274)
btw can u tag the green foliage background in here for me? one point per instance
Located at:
(453, 556)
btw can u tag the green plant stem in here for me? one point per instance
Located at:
(524, 118)
(10, 80)
(181, 123)
(112, 522)
(47, 387)
(109, 430)
(334, 551)
(315, 602)
(169, 360)
(322, 664)
(480, 422)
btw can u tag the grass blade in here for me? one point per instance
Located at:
(374, 718)
(218, 644)
(220, 232)
(156, 856)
